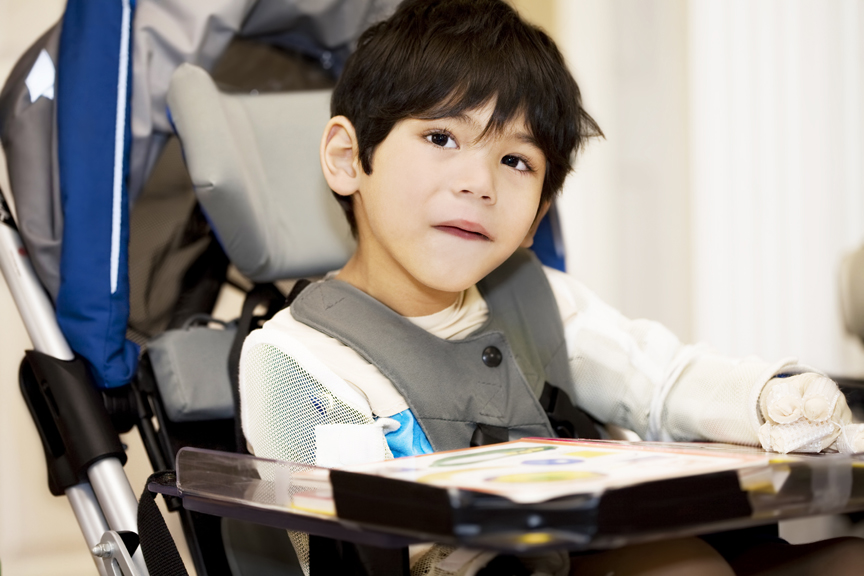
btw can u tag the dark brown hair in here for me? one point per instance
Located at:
(439, 58)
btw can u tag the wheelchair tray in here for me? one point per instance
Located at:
(528, 495)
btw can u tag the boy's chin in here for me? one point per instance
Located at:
(452, 287)
(453, 279)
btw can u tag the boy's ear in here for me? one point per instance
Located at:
(541, 212)
(340, 159)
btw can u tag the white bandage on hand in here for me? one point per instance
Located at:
(806, 413)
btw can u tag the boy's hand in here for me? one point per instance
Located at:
(807, 413)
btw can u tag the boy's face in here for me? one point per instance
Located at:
(443, 207)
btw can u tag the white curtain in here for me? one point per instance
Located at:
(776, 173)
(730, 183)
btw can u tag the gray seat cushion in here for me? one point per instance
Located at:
(255, 168)
(190, 365)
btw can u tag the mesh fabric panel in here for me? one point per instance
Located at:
(284, 403)
(426, 564)
(851, 439)
(443, 560)
(799, 436)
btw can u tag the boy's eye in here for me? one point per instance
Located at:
(441, 139)
(515, 162)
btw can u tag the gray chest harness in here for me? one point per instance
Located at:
(503, 382)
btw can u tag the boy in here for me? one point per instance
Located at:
(454, 125)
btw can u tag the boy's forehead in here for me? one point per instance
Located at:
(479, 121)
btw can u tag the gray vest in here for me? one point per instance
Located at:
(491, 380)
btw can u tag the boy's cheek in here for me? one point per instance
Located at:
(529, 237)
(528, 241)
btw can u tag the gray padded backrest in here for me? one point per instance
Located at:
(254, 164)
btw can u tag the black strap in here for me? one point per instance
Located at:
(298, 287)
(157, 544)
(504, 565)
(486, 434)
(270, 296)
(567, 420)
(328, 556)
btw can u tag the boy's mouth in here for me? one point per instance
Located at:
(464, 229)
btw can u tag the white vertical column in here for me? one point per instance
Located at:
(625, 211)
(590, 204)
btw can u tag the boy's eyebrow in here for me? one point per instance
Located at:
(527, 138)
(464, 118)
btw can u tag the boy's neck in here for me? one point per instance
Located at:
(399, 292)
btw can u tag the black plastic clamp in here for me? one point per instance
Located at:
(70, 416)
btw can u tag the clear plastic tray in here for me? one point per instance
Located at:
(299, 497)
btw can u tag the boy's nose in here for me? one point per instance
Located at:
(478, 179)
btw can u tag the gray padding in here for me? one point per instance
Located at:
(27, 130)
(255, 168)
(191, 369)
(167, 33)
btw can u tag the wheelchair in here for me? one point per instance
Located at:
(260, 214)
(161, 270)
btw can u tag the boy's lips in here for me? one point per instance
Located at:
(464, 229)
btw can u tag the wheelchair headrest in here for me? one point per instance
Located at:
(254, 163)
(852, 292)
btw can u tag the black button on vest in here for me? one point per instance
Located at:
(492, 356)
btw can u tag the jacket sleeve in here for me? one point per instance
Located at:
(637, 374)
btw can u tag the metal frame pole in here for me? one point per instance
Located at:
(90, 518)
(117, 500)
(113, 506)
